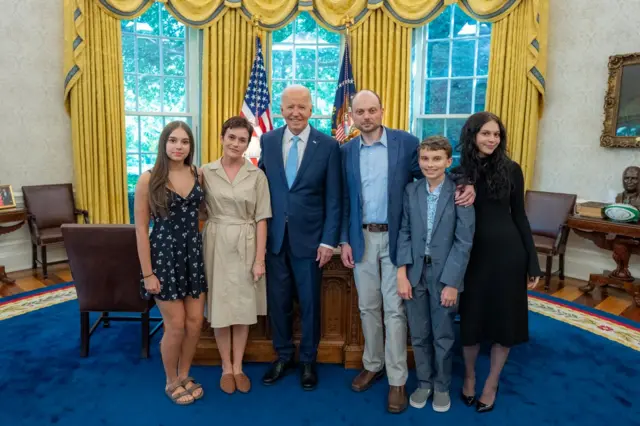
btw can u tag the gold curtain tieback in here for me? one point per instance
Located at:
(255, 20)
(347, 21)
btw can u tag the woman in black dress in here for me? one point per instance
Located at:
(503, 262)
(170, 195)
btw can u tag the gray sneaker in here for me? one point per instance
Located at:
(419, 397)
(441, 402)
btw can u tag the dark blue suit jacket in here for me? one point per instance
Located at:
(402, 150)
(312, 208)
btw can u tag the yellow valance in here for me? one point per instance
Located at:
(332, 14)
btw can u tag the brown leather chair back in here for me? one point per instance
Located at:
(52, 205)
(105, 267)
(548, 211)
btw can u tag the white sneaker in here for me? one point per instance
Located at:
(441, 402)
(419, 397)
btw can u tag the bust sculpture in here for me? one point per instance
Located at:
(630, 181)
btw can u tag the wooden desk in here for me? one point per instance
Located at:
(19, 217)
(622, 239)
(341, 338)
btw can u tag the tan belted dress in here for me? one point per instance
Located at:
(229, 240)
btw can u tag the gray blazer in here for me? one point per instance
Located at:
(451, 238)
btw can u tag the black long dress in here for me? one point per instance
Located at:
(493, 305)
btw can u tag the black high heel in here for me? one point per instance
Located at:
(468, 400)
(481, 407)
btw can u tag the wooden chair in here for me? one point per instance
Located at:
(106, 273)
(548, 213)
(49, 207)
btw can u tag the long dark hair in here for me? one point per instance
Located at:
(158, 197)
(495, 167)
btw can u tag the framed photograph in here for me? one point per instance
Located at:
(7, 200)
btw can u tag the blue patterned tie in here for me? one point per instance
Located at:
(292, 161)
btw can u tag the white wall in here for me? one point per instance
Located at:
(35, 140)
(582, 36)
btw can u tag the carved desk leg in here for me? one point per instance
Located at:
(621, 256)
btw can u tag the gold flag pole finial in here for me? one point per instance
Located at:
(255, 20)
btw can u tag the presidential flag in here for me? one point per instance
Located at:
(340, 120)
(256, 99)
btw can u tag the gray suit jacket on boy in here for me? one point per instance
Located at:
(451, 238)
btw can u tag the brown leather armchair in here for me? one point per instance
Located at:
(548, 213)
(106, 273)
(48, 207)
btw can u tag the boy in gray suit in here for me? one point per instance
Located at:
(434, 244)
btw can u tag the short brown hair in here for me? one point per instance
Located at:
(236, 122)
(436, 143)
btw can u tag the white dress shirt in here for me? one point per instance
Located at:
(287, 141)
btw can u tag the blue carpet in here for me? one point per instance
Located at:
(564, 376)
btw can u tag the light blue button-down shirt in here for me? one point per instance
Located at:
(374, 168)
(432, 204)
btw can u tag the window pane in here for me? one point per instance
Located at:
(175, 98)
(127, 26)
(481, 93)
(311, 85)
(283, 35)
(485, 28)
(149, 94)
(441, 26)
(170, 25)
(305, 62)
(326, 36)
(462, 58)
(277, 87)
(147, 161)
(463, 24)
(484, 46)
(128, 53)
(460, 101)
(438, 59)
(173, 54)
(130, 93)
(325, 98)
(454, 127)
(324, 125)
(278, 122)
(131, 130)
(328, 63)
(305, 29)
(148, 56)
(168, 120)
(149, 22)
(432, 127)
(150, 129)
(133, 170)
(435, 97)
(282, 62)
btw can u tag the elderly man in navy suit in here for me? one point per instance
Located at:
(305, 181)
(377, 166)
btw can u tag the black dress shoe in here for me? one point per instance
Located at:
(481, 407)
(468, 400)
(277, 370)
(309, 378)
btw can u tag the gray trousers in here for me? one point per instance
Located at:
(432, 334)
(376, 282)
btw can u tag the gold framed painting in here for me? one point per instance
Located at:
(7, 200)
(622, 103)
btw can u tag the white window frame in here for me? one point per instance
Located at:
(419, 68)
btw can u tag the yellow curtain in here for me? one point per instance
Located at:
(94, 97)
(332, 14)
(381, 60)
(227, 56)
(515, 88)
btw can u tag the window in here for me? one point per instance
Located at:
(161, 84)
(450, 63)
(305, 53)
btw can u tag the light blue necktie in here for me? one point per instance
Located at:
(291, 167)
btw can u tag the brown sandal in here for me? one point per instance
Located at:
(227, 384)
(194, 387)
(243, 384)
(176, 397)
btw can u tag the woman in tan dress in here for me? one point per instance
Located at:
(234, 239)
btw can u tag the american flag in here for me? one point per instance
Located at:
(340, 120)
(256, 99)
